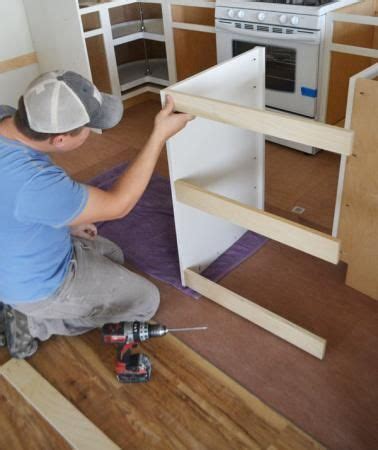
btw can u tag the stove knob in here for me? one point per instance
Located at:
(261, 16)
(283, 18)
(294, 20)
(241, 14)
(231, 13)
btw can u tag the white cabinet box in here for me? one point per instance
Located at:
(216, 167)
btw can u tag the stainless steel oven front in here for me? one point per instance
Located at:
(292, 59)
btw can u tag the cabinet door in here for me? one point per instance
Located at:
(195, 46)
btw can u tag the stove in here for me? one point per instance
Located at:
(306, 7)
(292, 32)
(298, 2)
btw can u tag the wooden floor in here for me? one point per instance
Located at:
(188, 404)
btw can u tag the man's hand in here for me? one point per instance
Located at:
(86, 231)
(168, 123)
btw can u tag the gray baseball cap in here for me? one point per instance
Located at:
(61, 101)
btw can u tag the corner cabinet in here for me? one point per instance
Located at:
(121, 45)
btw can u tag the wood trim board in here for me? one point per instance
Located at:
(369, 73)
(286, 330)
(297, 129)
(285, 231)
(193, 15)
(359, 213)
(340, 62)
(18, 62)
(67, 420)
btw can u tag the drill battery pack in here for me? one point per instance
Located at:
(133, 368)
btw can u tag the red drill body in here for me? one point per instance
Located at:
(134, 368)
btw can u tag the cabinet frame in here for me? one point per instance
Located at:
(198, 188)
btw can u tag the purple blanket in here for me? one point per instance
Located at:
(148, 240)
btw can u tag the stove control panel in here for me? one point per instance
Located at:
(269, 17)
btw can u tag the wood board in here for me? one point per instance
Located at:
(21, 427)
(301, 338)
(282, 230)
(76, 429)
(194, 51)
(359, 213)
(342, 65)
(18, 62)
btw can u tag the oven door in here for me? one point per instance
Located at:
(291, 66)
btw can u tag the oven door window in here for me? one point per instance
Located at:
(280, 64)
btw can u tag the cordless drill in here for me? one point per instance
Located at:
(134, 368)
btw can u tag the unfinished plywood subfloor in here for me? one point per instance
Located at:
(189, 404)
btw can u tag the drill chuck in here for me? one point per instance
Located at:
(132, 332)
(143, 331)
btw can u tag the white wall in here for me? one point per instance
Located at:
(15, 41)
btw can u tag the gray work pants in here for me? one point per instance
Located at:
(96, 290)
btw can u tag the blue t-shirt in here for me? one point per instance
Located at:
(37, 202)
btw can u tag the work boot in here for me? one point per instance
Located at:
(19, 341)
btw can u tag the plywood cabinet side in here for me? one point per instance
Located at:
(359, 212)
(195, 51)
(98, 63)
(194, 39)
(195, 15)
(343, 65)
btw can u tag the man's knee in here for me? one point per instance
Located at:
(154, 300)
(117, 255)
(110, 249)
(150, 302)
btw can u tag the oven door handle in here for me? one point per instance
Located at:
(297, 37)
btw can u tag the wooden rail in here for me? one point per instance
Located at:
(295, 235)
(301, 338)
(284, 126)
(18, 62)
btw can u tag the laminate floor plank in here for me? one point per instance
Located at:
(188, 404)
(21, 427)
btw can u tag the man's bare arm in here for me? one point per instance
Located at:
(124, 194)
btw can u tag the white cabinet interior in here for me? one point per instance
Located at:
(119, 44)
(136, 37)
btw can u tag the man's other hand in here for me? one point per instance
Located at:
(85, 231)
(168, 123)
